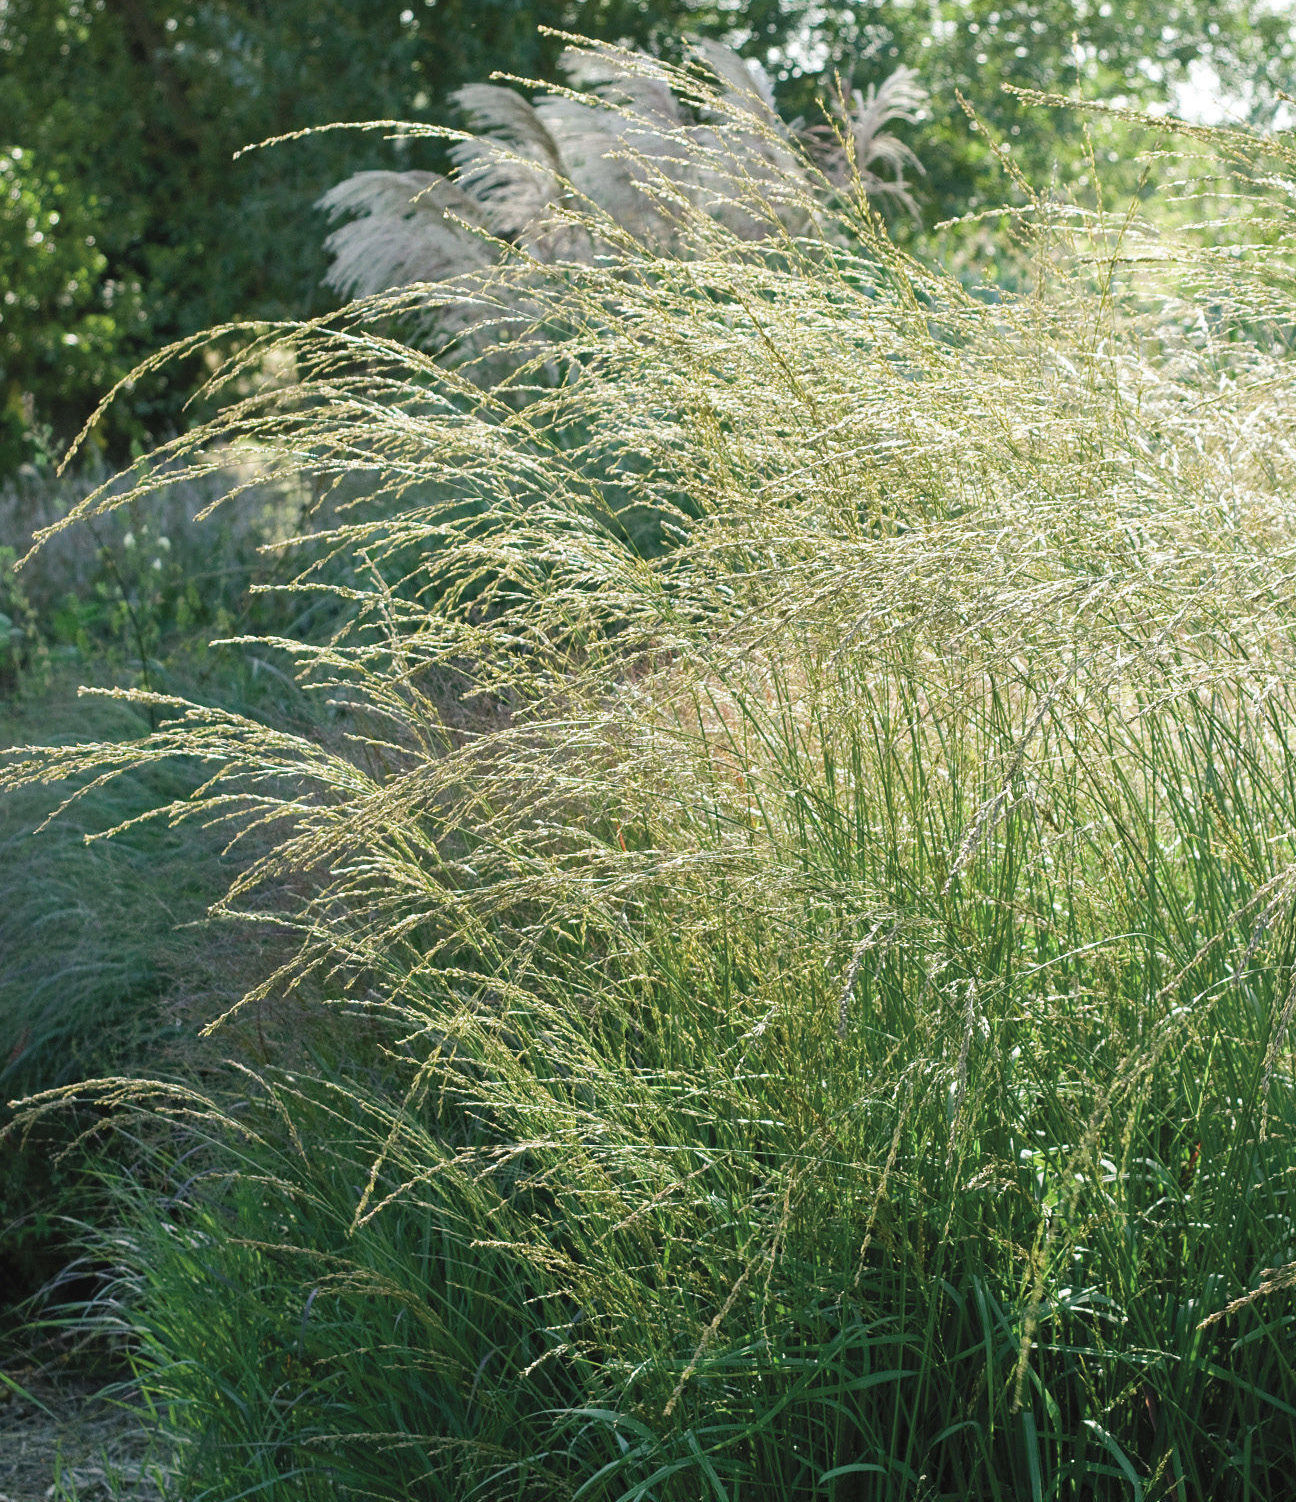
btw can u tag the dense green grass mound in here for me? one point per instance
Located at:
(106, 959)
(819, 1001)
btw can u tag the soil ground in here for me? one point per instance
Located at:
(64, 1439)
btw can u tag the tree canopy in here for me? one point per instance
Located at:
(128, 114)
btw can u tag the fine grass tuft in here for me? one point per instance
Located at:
(822, 997)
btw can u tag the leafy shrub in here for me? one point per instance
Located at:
(68, 329)
(830, 982)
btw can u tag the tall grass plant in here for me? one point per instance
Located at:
(820, 987)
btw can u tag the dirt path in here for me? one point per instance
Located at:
(62, 1441)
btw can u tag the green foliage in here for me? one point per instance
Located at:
(1134, 54)
(132, 111)
(814, 1007)
(94, 946)
(68, 330)
(16, 622)
(140, 591)
(107, 964)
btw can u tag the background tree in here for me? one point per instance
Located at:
(64, 321)
(135, 108)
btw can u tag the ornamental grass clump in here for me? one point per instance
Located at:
(631, 142)
(820, 980)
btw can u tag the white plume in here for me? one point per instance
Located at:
(633, 143)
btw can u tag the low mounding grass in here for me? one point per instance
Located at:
(106, 959)
(820, 1006)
